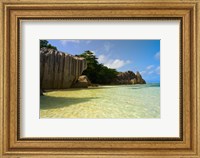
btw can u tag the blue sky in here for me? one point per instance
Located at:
(123, 55)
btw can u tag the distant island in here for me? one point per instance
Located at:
(59, 70)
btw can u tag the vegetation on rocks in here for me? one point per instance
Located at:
(96, 72)
(45, 43)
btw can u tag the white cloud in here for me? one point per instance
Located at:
(149, 67)
(157, 56)
(88, 42)
(101, 58)
(151, 70)
(107, 46)
(157, 70)
(143, 72)
(128, 61)
(64, 42)
(117, 63)
(93, 52)
(112, 63)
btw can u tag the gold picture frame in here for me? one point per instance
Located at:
(12, 12)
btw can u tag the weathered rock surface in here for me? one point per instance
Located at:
(129, 77)
(139, 78)
(82, 82)
(59, 70)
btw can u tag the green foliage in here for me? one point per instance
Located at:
(106, 75)
(97, 73)
(45, 43)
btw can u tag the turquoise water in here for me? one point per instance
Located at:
(123, 101)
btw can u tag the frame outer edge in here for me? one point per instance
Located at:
(6, 80)
(194, 37)
(198, 75)
(1, 79)
(197, 79)
(97, 1)
(1, 85)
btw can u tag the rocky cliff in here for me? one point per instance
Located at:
(59, 70)
(129, 77)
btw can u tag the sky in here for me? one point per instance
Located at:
(122, 55)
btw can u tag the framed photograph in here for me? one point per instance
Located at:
(99, 79)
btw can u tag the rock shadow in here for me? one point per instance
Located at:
(72, 89)
(50, 102)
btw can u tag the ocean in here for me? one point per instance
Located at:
(120, 101)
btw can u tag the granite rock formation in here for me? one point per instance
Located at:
(139, 79)
(82, 82)
(129, 77)
(59, 70)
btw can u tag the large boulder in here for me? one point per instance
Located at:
(59, 70)
(129, 77)
(125, 77)
(82, 82)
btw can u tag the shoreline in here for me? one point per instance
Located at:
(100, 86)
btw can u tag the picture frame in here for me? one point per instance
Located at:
(15, 11)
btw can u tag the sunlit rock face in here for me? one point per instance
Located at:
(129, 77)
(139, 79)
(59, 70)
(82, 82)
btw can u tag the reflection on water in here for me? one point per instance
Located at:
(124, 101)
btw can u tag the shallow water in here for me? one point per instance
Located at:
(124, 101)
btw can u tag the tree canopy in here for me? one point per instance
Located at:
(96, 72)
(45, 43)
